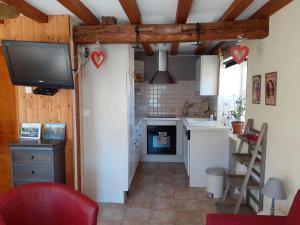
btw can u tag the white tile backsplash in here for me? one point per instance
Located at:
(169, 99)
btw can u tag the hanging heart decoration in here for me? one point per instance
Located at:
(239, 53)
(97, 57)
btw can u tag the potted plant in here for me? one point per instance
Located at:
(238, 124)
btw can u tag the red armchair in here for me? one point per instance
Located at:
(293, 217)
(46, 204)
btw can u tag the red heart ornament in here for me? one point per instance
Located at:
(239, 53)
(97, 58)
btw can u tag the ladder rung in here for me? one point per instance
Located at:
(237, 181)
(253, 197)
(243, 138)
(256, 172)
(246, 140)
(252, 130)
(245, 158)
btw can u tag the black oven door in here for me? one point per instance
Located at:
(161, 140)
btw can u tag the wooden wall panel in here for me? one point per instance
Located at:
(8, 124)
(34, 108)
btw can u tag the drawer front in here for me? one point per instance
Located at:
(32, 157)
(33, 172)
(21, 182)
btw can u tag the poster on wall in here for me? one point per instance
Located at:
(256, 89)
(271, 88)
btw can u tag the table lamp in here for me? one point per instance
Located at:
(275, 190)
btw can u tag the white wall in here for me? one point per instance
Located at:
(105, 129)
(280, 52)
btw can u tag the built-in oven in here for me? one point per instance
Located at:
(161, 139)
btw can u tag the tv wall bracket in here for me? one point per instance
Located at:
(45, 91)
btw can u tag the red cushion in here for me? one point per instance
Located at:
(294, 213)
(47, 204)
(229, 219)
(292, 219)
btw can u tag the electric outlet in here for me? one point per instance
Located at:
(86, 52)
(28, 90)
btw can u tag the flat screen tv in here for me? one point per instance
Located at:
(44, 65)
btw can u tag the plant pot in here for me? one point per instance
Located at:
(238, 127)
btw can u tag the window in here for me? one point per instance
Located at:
(233, 79)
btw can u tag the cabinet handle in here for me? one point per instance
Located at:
(32, 157)
(32, 172)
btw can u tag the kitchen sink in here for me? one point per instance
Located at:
(200, 121)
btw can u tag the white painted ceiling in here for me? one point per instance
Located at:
(152, 11)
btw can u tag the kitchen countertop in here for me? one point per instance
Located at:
(198, 124)
(191, 123)
(162, 118)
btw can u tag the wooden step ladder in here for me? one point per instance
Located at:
(254, 160)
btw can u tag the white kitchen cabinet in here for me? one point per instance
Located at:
(208, 148)
(131, 159)
(134, 153)
(207, 74)
(186, 152)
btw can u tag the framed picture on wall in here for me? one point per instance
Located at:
(256, 89)
(271, 88)
(30, 130)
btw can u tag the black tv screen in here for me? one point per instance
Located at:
(38, 64)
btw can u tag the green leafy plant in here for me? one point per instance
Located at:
(239, 109)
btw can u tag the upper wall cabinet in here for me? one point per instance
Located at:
(207, 74)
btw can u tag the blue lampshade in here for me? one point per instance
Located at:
(274, 189)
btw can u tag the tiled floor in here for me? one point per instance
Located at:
(159, 195)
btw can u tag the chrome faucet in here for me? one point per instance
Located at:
(186, 107)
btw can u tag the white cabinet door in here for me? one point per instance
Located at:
(188, 157)
(207, 74)
(131, 162)
(140, 146)
(143, 138)
(185, 158)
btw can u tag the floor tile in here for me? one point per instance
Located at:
(137, 214)
(163, 216)
(159, 195)
(188, 218)
(163, 203)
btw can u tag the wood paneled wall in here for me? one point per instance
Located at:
(36, 108)
(8, 124)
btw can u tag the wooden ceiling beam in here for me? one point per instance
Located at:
(235, 9)
(183, 10)
(174, 48)
(28, 10)
(221, 45)
(182, 13)
(158, 33)
(201, 48)
(132, 11)
(268, 9)
(81, 11)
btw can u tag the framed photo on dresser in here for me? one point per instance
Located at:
(30, 130)
(54, 131)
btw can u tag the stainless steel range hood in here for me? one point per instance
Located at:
(162, 76)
